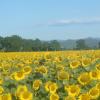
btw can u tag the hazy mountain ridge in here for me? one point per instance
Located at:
(71, 43)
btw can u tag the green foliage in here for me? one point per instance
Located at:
(81, 45)
(99, 45)
(16, 43)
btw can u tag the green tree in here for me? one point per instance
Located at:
(37, 45)
(99, 45)
(55, 45)
(81, 45)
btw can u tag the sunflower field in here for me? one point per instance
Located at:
(57, 75)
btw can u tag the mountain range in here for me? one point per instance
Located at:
(71, 43)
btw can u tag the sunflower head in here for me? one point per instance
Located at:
(20, 89)
(53, 87)
(19, 75)
(63, 75)
(6, 96)
(26, 95)
(94, 93)
(84, 78)
(73, 90)
(54, 97)
(36, 84)
(74, 64)
(70, 98)
(84, 96)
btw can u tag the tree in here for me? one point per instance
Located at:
(55, 45)
(12, 43)
(99, 45)
(80, 44)
(37, 45)
(1, 38)
(16, 43)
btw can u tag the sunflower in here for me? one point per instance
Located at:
(94, 93)
(98, 67)
(70, 98)
(1, 81)
(42, 70)
(84, 78)
(47, 86)
(86, 62)
(27, 70)
(54, 96)
(57, 59)
(20, 89)
(20, 65)
(84, 96)
(36, 62)
(1, 90)
(60, 67)
(36, 84)
(6, 96)
(26, 95)
(12, 76)
(63, 75)
(98, 86)
(74, 64)
(19, 75)
(94, 75)
(53, 87)
(73, 90)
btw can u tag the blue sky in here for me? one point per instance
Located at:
(50, 19)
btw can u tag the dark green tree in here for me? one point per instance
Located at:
(81, 45)
(99, 45)
(12, 43)
(55, 45)
(37, 45)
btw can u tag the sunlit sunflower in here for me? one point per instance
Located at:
(27, 70)
(98, 86)
(6, 96)
(1, 90)
(94, 74)
(70, 98)
(54, 97)
(63, 75)
(47, 86)
(73, 90)
(84, 78)
(59, 67)
(86, 62)
(26, 95)
(20, 89)
(98, 67)
(43, 70)
(19, 75)
(1, 81)
(20, 65)
(53, 87)
(12, 76)
(74, 64)
(36, 84)
(84, 96)
(36, 62)
(94, 93)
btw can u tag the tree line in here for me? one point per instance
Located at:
(17, 43)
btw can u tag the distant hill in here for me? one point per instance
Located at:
(71, 43)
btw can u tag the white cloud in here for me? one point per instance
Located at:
(74, 21)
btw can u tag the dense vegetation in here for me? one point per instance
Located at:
(60, 75)
(16, 43)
